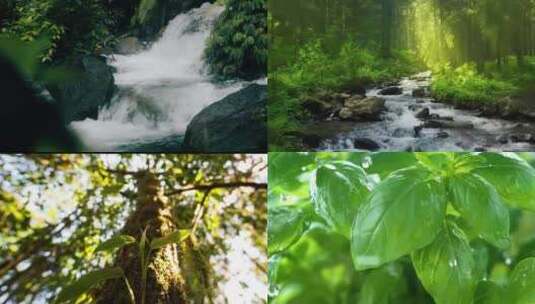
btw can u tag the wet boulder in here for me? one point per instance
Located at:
(91, 89)
(237, 123)
(367, 109)
(522, 138)
(391, 91)
(423, 113)
(420, 93)
(318, 107)
(366, 144)
(447, 124)
(443, 134)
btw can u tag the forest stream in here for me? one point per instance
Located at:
(448, 129)
(159, 89)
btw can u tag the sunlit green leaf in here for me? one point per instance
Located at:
(404, 213)
(481, 207)
(115, 243)
(522, 282)
(447, 268)
(337, 190)
(172, 238)
(285, 227)
(513, 178)
(384, 163)
(285, 168)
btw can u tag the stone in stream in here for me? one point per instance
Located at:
(423, 113)
(503, 139)
(418, 130)
(419, 93)
(391, 91)
(367, 109)
(522, 138)
(318, 107)
(85, 94)
(237, 123)
(366, 144)
(446, 124)
(443, 134)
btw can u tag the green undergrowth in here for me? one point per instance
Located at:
(464, 85)
(315, 69)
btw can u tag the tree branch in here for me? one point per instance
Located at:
(217, 185)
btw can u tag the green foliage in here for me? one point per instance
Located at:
(115, 243)
(172, 238)
(237, 47)
(393, 211)
(87, 282)
(446, 268)
(285, 227)
(57, 209)
(336, 196)
(456, 227)
(315, 68)
(465, 85)
(472, 196)
(80, 26)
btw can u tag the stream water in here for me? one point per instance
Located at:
(396, 130)
(159, 89)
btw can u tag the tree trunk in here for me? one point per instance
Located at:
(175, 274)
(388, 12)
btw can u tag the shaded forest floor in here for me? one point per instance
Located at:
(298, 91)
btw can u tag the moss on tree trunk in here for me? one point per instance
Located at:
(177, 273)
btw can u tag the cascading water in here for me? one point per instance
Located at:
(396, 130)
(159, 89)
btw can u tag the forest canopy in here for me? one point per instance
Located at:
(72, 228)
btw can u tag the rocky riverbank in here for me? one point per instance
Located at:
(404, 115)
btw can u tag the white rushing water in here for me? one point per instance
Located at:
(396, 130)
(159, 89)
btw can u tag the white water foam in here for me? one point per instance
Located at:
(160, 89)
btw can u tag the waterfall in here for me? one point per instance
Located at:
(159, 89)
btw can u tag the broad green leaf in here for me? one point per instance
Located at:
(405, 212)
(466, 162)
(172, 238)
(285, 226)
(446, 268)
(115, 243)
(436, 161)
(337, 190)
(480, 205)
(384, 285)
(522, 282)
(513, 178)
(86, 283)
(488, 292)
(384, 163)
(285, 167)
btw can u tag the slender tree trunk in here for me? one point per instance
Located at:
(388, 11)
(174, 275)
